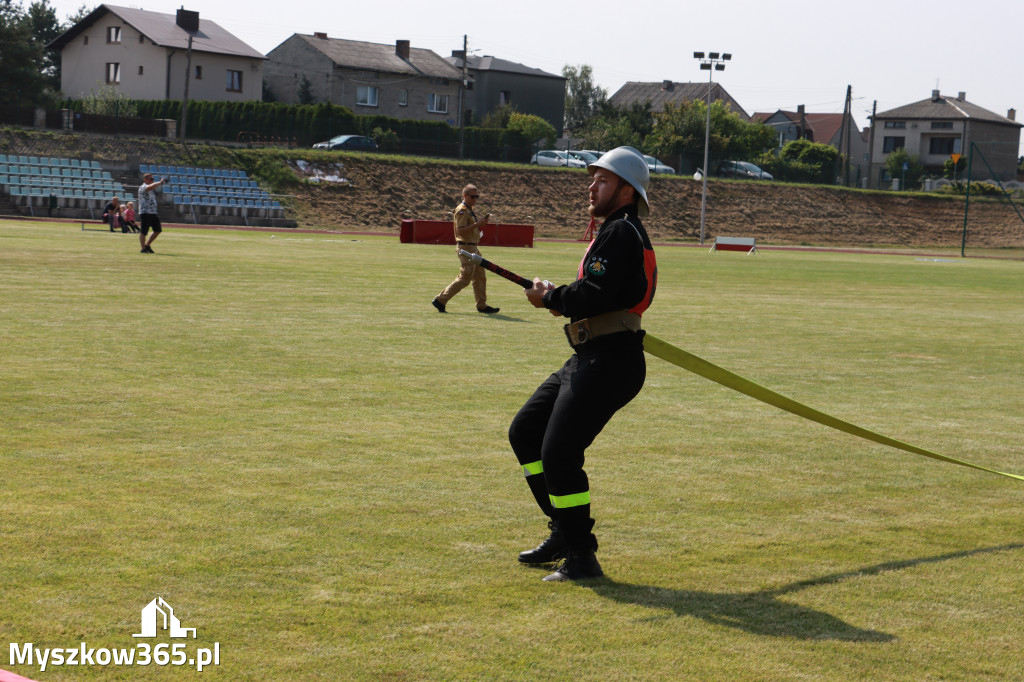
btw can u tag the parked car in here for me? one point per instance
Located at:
(742, 169)
(352, 142)
(656, 166)
(556, 157)
(593, 152)
(587, 156)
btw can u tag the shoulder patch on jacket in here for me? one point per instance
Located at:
(597, 265)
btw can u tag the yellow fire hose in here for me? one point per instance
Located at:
(700, 367)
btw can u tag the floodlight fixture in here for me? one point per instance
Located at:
(712, 55)
(698, 55)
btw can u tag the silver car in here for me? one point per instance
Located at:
(556, 157)
(656, 166)
(744, 170)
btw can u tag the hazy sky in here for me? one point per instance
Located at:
(783, 54)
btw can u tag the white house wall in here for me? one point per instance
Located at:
(149, 71)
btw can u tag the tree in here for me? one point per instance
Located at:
(679, 130)
(305, 93)
(532, 128)
(498, 118)
(81, 13)
(615, 126)
(911, 177)
(21, 56)
(583, 97)
(42, 19)
(955, 171)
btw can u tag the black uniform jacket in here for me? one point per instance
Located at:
(614, 274)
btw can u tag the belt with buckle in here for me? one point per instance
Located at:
(588, 329)
(466, 243)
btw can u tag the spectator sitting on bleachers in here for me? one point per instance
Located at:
(111, 213)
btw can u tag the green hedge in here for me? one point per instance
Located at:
(306, 124)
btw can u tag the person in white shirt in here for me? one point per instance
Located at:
(148, 216)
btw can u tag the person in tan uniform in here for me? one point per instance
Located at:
(467, 236)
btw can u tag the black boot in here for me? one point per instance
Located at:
(580, 564)
(552, 549)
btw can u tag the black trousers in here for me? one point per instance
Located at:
(553, 429)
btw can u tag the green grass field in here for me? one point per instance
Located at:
(278, 435)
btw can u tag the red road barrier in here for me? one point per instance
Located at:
(442, 232)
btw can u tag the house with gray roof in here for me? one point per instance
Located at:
(145, 56)
(498, 82)
(658, 94)
(399, 81)
(935, 128)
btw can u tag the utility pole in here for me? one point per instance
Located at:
(871, 142)
(187, 21)
(463, 96)
(184, 101)
(845, 142)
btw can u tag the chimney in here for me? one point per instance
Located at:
(187, 20)
(802, 112)
(321, 36)
(962, 96)
(1012, 114)
(935, 95)
(667, 86)
(402, 49)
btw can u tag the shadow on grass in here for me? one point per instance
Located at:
(493, 316)
(762, 612)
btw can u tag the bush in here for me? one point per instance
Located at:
(977, 189)
(387, 140)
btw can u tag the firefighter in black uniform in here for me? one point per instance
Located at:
(614, 286)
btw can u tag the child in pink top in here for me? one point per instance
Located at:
(129, 217)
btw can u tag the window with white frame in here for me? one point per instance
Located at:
(366, 95)
(113, 34)
(403, 98)
(234, 81)
(113, 73)
(437, 104)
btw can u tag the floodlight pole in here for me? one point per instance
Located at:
(716, 62)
